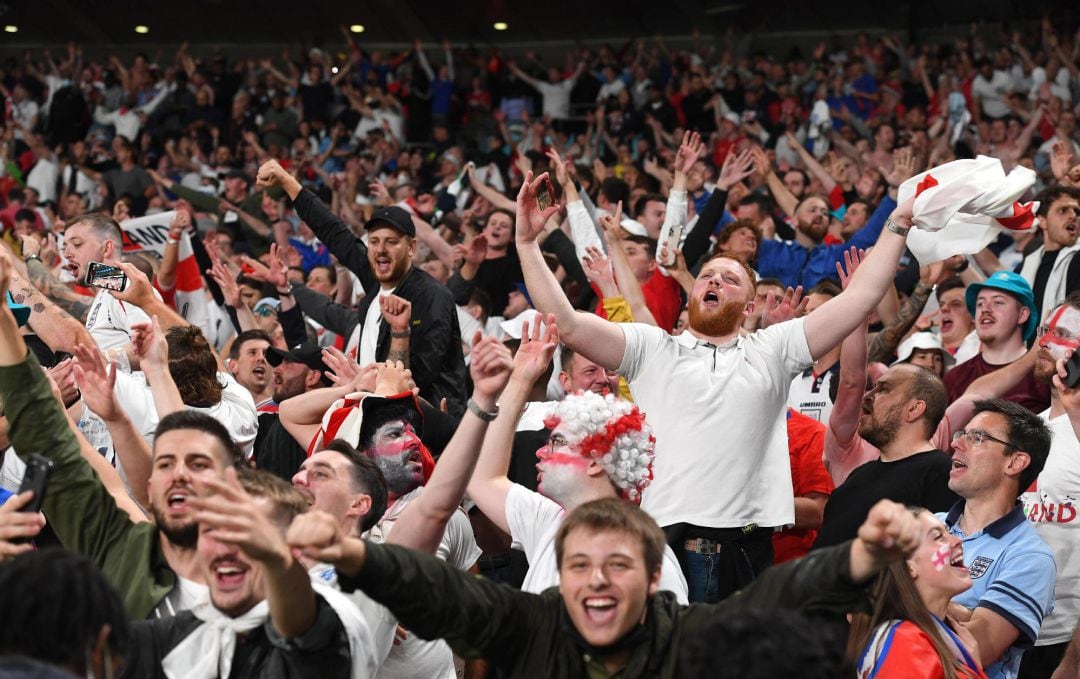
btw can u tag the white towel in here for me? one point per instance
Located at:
(962, 206)
(207, 652)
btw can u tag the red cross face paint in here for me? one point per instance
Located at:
(398, 452)
(1057, 337)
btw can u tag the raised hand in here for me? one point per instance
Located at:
(394, 378)
(96, 379)
(530, 218)
(343, 369)
(536, 349)
(791, 305)
(235, 518)
(689, 151)
(230, 289)
(474, 252)
(562, 174)
(139, 291)
(1061, 159)
(599, 271)
(612, 225)
(397, 312)
(150, 344)
(735, 169)
(271, 174)
(904, 167)
(489, 366)
(852, 259)
(379, 192)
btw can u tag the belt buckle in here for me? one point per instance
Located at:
(749, 528)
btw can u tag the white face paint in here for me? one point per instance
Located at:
(1061, 333)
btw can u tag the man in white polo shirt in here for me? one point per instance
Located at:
(716, 399)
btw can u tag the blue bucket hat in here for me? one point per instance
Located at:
(1015, 285)
(20, 311)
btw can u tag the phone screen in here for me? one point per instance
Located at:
(104, 276)
(544, 198)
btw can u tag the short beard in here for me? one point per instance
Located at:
(1045, 375)
(184, 537)
(881, 434)
(717, 324)
(400, 480)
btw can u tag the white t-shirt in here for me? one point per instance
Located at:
(235, 410)
(534, 520)
(415, 657)
(1052, 507)
(369, 332)
(184, 595)
(380, 621)
(42, 178)
(718, 416)
(109, 320)
(991, 93)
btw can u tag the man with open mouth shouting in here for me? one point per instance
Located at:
(994, 459)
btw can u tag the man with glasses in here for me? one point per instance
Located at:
(994, 459)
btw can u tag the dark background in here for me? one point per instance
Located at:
(227, 24)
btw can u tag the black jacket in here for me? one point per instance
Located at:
(435, 356)
(527, 635)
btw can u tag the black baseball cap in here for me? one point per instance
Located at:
(308, 353)
(394, 217)
(238, 174)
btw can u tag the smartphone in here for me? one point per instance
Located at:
(36, 479)
(673, 241)
(545, 195)
(104, 276)
(1072, 371)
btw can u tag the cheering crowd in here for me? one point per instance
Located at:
(451, 363)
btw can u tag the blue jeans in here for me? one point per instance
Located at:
(714, 577)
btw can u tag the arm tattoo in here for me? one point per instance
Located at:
(884, 343)
(68, 302)
(399, 350)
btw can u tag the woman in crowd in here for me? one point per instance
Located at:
(908, 634)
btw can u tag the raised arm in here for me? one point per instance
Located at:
(233, 517)
(489, 483)
(582, 227)
(341, 241)
(833, 321)
(153, 352)
(489, 192)
(885, 342)
(628, 283)
(596, 339)
(812, 165)
(783, 196)
(844, 420)
(97, 380)
(302, 415)
(423, 522)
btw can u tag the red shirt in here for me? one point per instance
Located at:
(662, 296)
(806, 445)
(912, 654)
(1029, 392)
